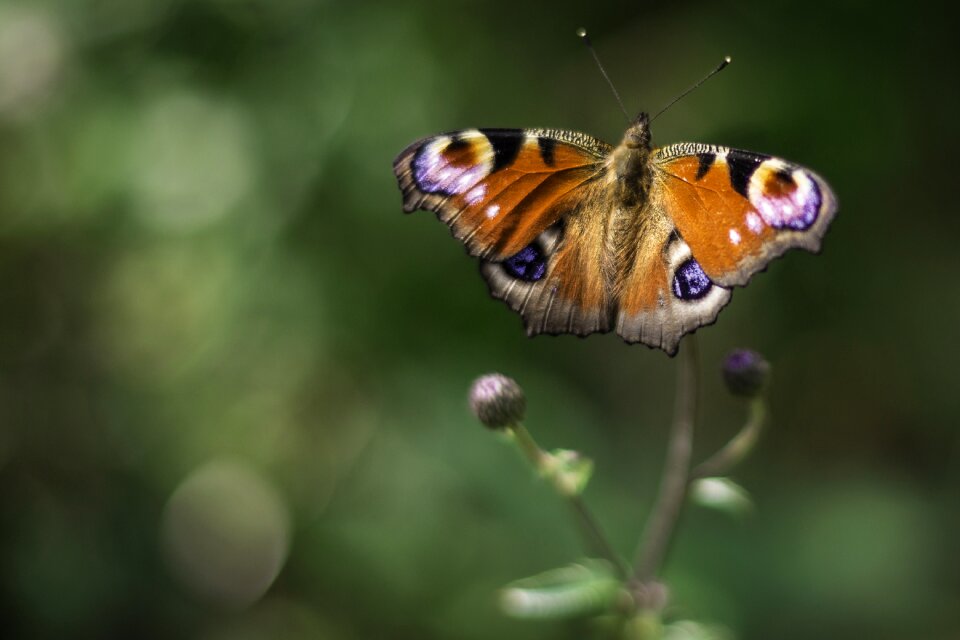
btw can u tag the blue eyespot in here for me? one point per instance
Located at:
(530, 264)
(690, 282)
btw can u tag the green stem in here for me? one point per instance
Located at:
(589, 526)
(528, 446)
(673, 483)
(739, 446)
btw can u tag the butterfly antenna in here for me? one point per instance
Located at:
(724, 63)
(586, 40)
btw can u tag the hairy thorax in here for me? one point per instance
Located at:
(628, 174)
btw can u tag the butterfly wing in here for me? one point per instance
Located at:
(558, 282)
(522, 201)
(739, 210)
(497, 189)
(714, 217)
(663, 293)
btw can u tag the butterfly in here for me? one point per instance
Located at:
(580, 237)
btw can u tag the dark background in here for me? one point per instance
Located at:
(233, 374)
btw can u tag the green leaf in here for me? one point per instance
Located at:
(690, 630)
(646, 625)
(580, 589)
(569, 471)
(722, 494)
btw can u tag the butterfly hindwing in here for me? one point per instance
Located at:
(738, 210)
(498, 189)
(557, 282)
(663, 292)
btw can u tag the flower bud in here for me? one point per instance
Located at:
(745, 372)
(497, 401)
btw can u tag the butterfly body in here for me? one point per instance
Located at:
(580, 237)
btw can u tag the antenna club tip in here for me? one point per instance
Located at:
(581, 32)
(727, 59)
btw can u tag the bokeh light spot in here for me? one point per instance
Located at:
(226, 532)
(193, 163)
(31, 60)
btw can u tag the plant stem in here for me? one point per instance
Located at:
(528, 446)
(589, 527)
(592, 532)
(673, 483)
(739, 446)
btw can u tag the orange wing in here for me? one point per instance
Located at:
(663, 292)
(498, 189)
(557, 282)
(526, 202)
(738, 210)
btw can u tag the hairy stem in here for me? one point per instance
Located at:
(673, 483)
(739, 446)
(590, 528)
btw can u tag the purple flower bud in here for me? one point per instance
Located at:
(745, 372)
(497, 401)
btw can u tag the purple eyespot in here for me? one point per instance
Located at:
(690, 282)
(796, 206)
(530, 264)
(438, 167)
(809, 209)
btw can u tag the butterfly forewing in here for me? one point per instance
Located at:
(498, 189)
(737, 209)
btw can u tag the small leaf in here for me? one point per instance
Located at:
(569, 471)
(576, 590)
(690, 630)
(645, 625)
(722, 494)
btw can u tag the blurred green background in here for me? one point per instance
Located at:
(233, 374)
